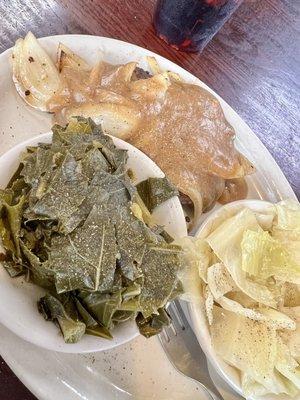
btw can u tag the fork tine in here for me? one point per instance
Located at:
(170, 329)
(173, 308)
(165, 336)
(173, 329)
(183, 350)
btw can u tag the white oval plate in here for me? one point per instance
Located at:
(101, 375)
(18, 299)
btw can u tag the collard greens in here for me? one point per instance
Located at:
(73, 223)
(155, 191)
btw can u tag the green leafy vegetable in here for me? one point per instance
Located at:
(160, 264)
(64, 194)
(102, 306)
(85, 259)
(154, 324)
(92, 326)
(155, 191)
(6, 196)
(11, 224)
(72, 221)
(12, 268)
(53, 309)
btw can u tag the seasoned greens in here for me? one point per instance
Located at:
(86, 258)
(155, 191)
(72, 222)
(63, 311)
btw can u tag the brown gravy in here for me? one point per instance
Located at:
(180, 126)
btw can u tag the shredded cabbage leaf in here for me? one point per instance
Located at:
(196, 259)
(219, 280)
(286, 228)
(264, 256)
(226, 240)
(232, 338)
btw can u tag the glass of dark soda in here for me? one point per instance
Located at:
(188, 25)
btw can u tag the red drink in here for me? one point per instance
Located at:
(188, 25)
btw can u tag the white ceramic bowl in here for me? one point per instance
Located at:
(18, 299)
(197, 310)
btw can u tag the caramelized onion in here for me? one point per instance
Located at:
(34, 73)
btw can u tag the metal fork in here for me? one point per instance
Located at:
(184, 352)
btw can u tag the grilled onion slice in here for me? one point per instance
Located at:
(34, 73)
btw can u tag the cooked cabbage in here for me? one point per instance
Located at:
(232, 338)
(197, 256)
(226, 240)
(263, 256)
(219, 280)
(251, 296)
(286, 228)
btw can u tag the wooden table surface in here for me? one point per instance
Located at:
(253, 63)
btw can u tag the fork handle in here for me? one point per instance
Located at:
(200, 374)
